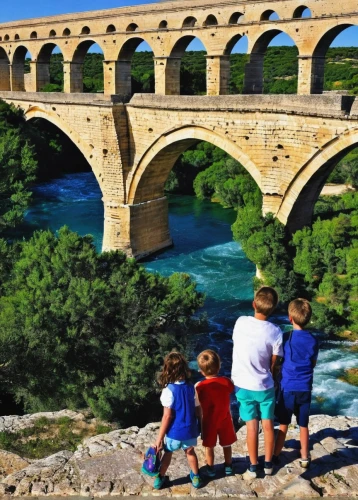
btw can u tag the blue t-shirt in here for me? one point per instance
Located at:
(300, 351)
(184, 425)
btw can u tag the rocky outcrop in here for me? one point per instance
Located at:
(109, 465)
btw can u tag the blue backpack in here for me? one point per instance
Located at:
(151, 463)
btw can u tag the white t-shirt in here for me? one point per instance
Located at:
(255, 342)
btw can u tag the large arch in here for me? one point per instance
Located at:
(254, 70)
(52, 117)
(319, 56)
(18, 79)
(43, 65)
(296, 208)
(4, 70)
(147, 180)
(77, 62)
(123, 74)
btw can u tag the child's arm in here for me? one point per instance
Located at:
(167, 418)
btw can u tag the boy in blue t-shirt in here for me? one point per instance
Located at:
(300, 357)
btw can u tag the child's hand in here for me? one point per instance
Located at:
(159, 445)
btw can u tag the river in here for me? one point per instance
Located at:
(203, 248)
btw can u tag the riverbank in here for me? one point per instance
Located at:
(109, 465)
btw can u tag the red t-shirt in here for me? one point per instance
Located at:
(214, 397)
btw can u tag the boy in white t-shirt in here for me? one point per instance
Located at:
(257, 344)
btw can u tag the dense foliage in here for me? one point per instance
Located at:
(81, 328)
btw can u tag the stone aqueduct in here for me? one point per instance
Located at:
(289, 144)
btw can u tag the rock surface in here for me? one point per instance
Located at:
(109, 465)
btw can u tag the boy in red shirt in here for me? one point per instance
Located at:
(214, 397)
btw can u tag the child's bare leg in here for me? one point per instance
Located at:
(209, 456)
(304, 438)
(280, 439)
(192, 459)
(252, 440)
(269, 436)
(165, 462)
(228, 455)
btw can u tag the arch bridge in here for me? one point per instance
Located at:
(288, 143)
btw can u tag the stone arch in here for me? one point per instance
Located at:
(163, 25)
(17, 37)
(43, 64)
(18, 76)
(236, 17)
(210, 21)
(172, 71)
(265, 16)
(253, 81)
(110, 28)
(4, 70)
(147, 180)
(189, 22)
(86, 150)
(132, 27)
(66, 32)
(298, 12)
(85, 30)
(78, 60)
(33, 34)
(123, 75)
(231, 43)
(6, 38)
(319, 55)
(52, 33)
(299, 199)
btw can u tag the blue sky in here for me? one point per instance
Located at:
(24, 9)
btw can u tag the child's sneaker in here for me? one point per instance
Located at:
(209, 471)
(195, 480)
(305, 462)
(268, 468)
(159, 482)
(251, 473)
(228, 469)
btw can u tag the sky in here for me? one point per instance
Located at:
(25, 9)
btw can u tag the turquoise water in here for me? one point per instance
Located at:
(203, 248)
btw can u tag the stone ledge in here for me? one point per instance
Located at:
(108, 466)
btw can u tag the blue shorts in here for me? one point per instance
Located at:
(175, 445)
(296, 403)
(256, 404)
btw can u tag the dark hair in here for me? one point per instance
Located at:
(175, 368)
(209, 362)
(266, 300)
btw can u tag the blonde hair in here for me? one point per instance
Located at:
(266, 300)
(175, 368)
(300, 311)
(209, 362)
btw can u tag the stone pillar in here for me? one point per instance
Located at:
(310, 75)
(72, 77)
(42, 74)
(4, 75)
(167, 75)
(254, 75)
(138, 230)
(217, 75)
(271, 203)
(110, 69)
(17, 77)
(123, 77)
(31, 78)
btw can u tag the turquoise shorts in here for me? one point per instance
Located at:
(256, 404)
(174, 445)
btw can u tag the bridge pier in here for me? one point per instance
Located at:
(310, 75)
(254, 74)
(138, 230)
(167, 75)
(217, 75)
(72, 77)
